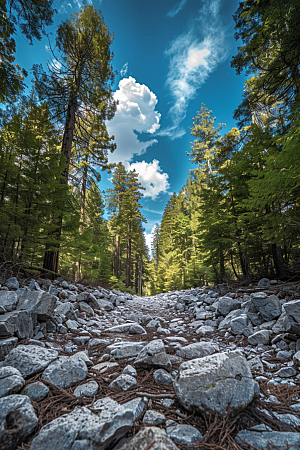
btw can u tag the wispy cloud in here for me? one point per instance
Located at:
(176, 8)
(193, 56)
(153, 211)
(124, 70)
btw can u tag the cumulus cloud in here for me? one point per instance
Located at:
(150, 176)
(174, 11)
(124, 70)
(135, 114)
(193, 56)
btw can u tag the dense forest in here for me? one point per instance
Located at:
(236, 217)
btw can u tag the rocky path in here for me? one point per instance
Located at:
(86, 369)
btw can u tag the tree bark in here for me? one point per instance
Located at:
(128, 261)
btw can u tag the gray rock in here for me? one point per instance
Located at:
(100, 429)
(186, 434)
(227, 304)
(204, 330)
(6, 345)
(19, 323)
(123, 383)
(226, 322)
(121, 350)
(296, 359)
(264, 283)
(260, 337)
(104, 305)
(12, 283)
(86, 390)
(8, 300)
(129, 370)
(34, 286)
(72, 324)
(40, 302)
(87, 298)
(146, 437)
(239, 324)
(65, 371)
(17, 421)
(283, 354)
(11, 381)
(216, 384)
(83, 356)
(153, 355)
(292, 310)
(269, 308)
(36, 391)
(84, 307)
(260, 440)
(197, 350)
(286, 372)
(162, 376)
(95, 341)
(30, 359)
(81, 340)
(289, 419)
(66, 309)
(152, 417)
(131, 328)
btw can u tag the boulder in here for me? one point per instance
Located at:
(227, 304)
(131, 328)
(292, 310)
(162, 376)
(150, 437)
(12, 283)
(197, 350)
(11, 381)
(84, 429)
(152, 417)
(19, 323)
(219, 384)
(8, 300)
(121, 350)
(65, 372)
(17, 421)
(264, 283)
(104, 305)
(260, 337)
(6, 345)
(40, 302)
(153, 355)
(269, 308)
(30, 359)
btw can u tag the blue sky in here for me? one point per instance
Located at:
(171, 56)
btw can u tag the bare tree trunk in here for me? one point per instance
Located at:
(117, 256)
(128, 260)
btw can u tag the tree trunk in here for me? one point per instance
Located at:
(140, 276)
(277, 258)
(128, 261)
(117, 256)
(51, 257)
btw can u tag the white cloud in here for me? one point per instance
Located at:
(176, 8)
(135, 114)
(149, 238)
(193, 56)
(124, 70)
(150, 176)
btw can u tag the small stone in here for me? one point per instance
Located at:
(167, 402)
(260, 337)
(6, 345)
(129, 370)
(65, 371)
(186, 434)
(286, 372)
(95, 341)
(36, 391)
(86, 390)
(264, 283)
(81, 340)
(152, 417)
(11, 381)
(12, 283)
(123, 383)
(162, 376)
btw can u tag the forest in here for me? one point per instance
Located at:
(236, 218)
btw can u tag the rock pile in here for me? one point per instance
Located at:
(85, 368)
